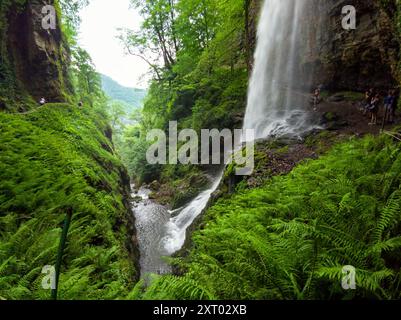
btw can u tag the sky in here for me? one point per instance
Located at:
(98, 31)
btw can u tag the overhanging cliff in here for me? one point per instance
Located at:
(355, 59)
(34, 61)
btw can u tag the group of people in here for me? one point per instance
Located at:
(371, 105)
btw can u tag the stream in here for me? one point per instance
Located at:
(151, 219)
(161, 232)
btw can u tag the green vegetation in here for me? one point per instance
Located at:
(291, 238)
(285, 236)
(132, 98)
(351, 95)
(346, 95)
(202, 81)
(51, 161)
(55, 160)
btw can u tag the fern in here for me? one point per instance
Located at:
(291, 238)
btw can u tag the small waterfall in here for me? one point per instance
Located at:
(178, 225)
(160, 233)
(278, 89)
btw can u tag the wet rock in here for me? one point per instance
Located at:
(152, 196)
(238, 118)
(336, 98)
(337, 125)
(352, 59)
(155, 186)
(137, 199)
(332, 121)
(328, 117)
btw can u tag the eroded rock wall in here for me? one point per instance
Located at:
(353, 59)
(348, 59)
(38, 59)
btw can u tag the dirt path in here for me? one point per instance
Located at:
(353, 120)
(29, 111)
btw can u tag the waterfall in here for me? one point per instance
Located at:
(178, 225)
(277, 95)
(278, 89)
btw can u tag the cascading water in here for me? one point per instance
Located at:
(150, 222)
(275, 107)
(162, 233)
(177, 226)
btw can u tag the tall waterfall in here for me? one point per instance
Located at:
(278, 89)
(276, 99)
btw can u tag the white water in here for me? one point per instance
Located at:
(160, 232)
(150, 221)
(275, 107)
(177, 226)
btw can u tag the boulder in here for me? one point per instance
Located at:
(336, 98)
(155, 185)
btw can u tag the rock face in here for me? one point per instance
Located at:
(37, 57)
(348, 59)
(353, 59)
(253, 11)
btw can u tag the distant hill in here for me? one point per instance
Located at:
(132, 97)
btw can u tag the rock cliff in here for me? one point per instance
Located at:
(35, 61)
(349, 59)
(355, 59)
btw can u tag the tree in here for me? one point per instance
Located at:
(116, 111)
(87, 80)
(156, 41)
(197, 23)
(70, 17)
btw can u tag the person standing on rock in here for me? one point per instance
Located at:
(389, 102)
(369, 95)
(374, 109)
(316, 98)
